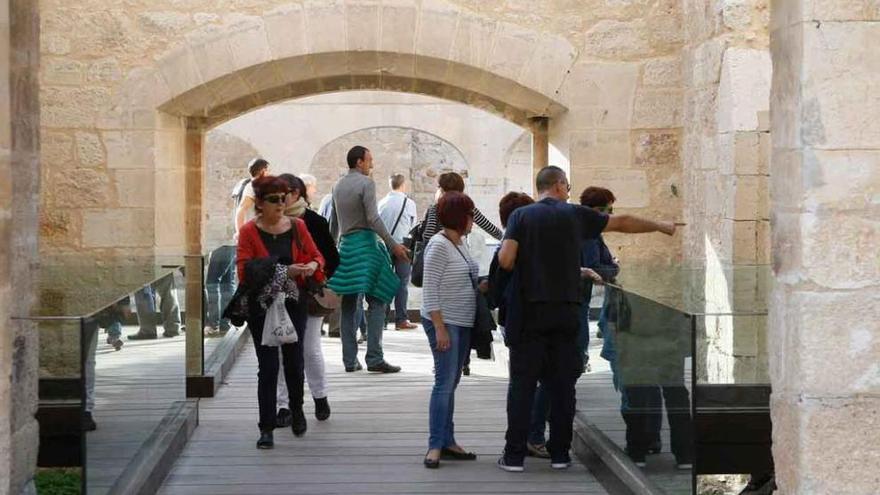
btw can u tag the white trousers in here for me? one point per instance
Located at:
(313, 362)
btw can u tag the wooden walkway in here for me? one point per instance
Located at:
(374, 441)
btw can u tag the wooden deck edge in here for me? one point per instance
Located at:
(609, 463)
(218, 365)
(152, 463)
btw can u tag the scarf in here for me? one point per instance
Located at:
(297, 209)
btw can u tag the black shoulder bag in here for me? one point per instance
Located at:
(417, 246)
(484, 324)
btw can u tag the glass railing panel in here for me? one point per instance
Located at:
(639, 391)
(220, 284)
(134, 350)
(61, 393)
(77, 285)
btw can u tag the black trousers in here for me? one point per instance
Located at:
(547, 351)
(267, 361)
(643, 415)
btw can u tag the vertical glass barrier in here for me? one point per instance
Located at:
(220, 284)
(733, 384)
(134, 369)
(639, 393)
(61, 412)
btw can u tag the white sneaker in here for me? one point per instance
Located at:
(560, 465)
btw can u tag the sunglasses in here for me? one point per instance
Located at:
(275, 198)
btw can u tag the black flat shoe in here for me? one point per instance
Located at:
(458, 456)
(298, 422)
(322, 409)
(283, 418)
(431, 464)
(266, 440)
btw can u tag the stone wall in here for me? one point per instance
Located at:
(117, 81)
(19, 184)
(825, 309)
(726, 165)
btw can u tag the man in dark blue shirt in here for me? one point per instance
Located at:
(542, 245)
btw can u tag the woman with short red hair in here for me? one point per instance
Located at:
(449, 300)
(277, 254)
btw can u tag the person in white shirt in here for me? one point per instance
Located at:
(246, 199)
(398, 213)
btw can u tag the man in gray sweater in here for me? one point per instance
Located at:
(354, 209)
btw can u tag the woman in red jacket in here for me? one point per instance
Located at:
(272, 233)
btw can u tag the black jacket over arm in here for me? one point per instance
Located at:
(320, 230)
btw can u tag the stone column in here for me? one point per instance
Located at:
(194, 186)
(540, 127)
(825, 190)
(19, 187)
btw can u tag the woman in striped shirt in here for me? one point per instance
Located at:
(449, 299)
(451, 181)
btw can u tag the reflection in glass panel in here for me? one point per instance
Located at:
(646, 347)
(220, 284)
(61, 393)
(134, 368)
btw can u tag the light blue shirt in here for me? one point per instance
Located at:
(389, 210)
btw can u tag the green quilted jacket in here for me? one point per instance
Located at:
(364, 267)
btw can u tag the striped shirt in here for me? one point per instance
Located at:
(447, 284)
(432, 225)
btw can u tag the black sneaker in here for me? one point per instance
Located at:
(638, 459)
(510, 466)
(298, 423)
(322, 409)
(143, 336)
(352, 369)
(284, 418)
(466, 371)
(88, 423)
(266, 440)
(170, 335)
(384, 367)
(655, 447)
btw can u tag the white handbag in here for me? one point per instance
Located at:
(278, 328)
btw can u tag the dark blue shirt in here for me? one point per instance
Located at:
(596, 256)
(550, 234)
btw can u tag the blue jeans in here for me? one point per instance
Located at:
(348, 323)
(219, 285)
(403, 270)
(540, 408)
(583, 335)
(447, 374)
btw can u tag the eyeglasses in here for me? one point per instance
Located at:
(275, 198)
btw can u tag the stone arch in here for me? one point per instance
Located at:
(435, 49)
(220, 72)
(428, 155)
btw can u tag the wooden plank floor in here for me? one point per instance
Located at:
(374, 441)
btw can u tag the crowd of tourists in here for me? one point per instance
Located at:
(356, 251)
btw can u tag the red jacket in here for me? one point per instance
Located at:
(251, 246)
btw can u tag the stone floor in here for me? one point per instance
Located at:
(374, 441)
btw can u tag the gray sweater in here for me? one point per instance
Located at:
(354, 207)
